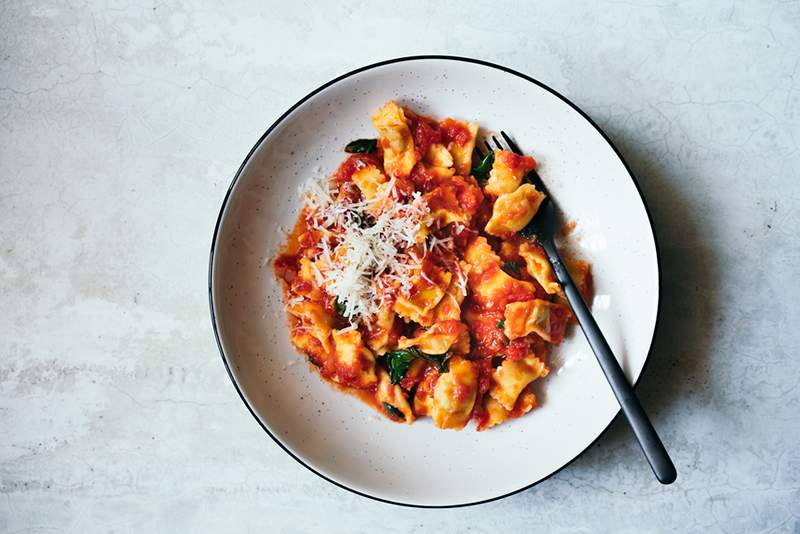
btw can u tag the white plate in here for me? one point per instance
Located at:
(334, 434)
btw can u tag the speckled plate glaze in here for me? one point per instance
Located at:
(334, 434)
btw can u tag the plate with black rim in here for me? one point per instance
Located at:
(335, 435)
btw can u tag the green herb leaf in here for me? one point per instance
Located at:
(481, 172)
(501, 324)
(338, 306)
(361, 146)
(439, 360)
(392, 411)
(512, 266)
(398, 362)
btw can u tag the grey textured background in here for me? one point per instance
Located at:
(121, 125)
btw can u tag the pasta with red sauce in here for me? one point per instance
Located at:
(406, 281)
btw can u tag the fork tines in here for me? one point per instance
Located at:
(533, 176)
(510, 142)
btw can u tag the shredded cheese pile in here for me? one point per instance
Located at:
(361, 261)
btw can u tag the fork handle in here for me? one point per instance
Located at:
(648, 439)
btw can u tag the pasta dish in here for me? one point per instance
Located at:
(407, 283)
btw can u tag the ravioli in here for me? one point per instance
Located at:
(406, 280)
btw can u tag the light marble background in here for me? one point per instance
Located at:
(121, 126)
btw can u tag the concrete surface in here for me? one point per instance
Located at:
(121, 125)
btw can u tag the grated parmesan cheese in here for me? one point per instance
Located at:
(360, 263)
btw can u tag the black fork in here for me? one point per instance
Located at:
(541, 230)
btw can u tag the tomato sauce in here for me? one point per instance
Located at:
(461, 392)
(462, 237)
(443, 197)
(286, 267)
(488, 338)
(479, 414)
(287, 263)
(470, 196)
(433, 272)
(415, 374)
(314, 349)
(349, 192)
(404, 187)
(454, 131)
(587, 288)
(484, 212)
(307, 240)
(301, 287)
(457, 195)
(519, 406)
(518, 292)
(523, 164)
(350, 374)
(538, 291)
(518, 349)
(425, 387)
(354, 163)
(450, 328)
(329, 303)
(422, 178)
(485, 370)
(425, 133)
(559, 317)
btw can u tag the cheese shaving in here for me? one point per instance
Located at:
(362, 257)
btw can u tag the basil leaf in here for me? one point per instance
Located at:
(361, 146)
(501, 324)
(481, 171)
(398, 362)
(512, 266)
(392, 411)
(338, 306)
(439, 360)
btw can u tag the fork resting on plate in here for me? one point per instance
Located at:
(541, 230)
